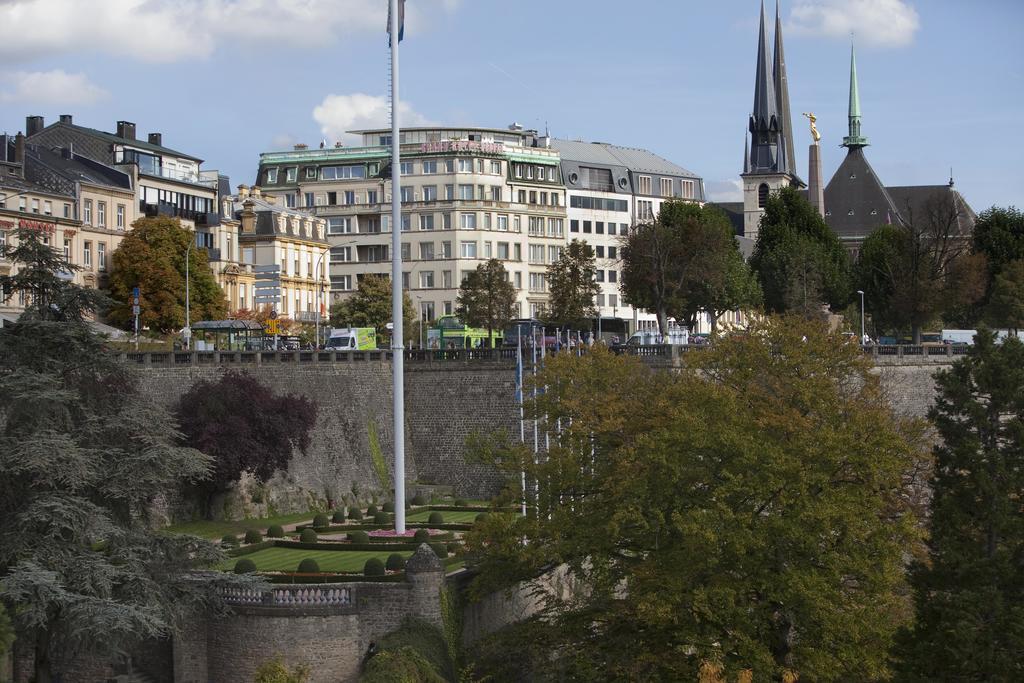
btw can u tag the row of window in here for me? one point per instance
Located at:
(101, 214)
(24, 203)
(428, 193)
(406, 168)
(531, 172)
(598, 203)
(598, 227)
(289, 297)
(686, 187)
(87, 251)
(536, 225)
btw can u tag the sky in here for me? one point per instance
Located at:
(941, 81)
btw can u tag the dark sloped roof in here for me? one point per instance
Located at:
(931, 202)
(631, 158)
(80, 168)
(855, 199)
(139, 144)
(734, 210)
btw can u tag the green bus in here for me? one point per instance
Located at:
(449, 333)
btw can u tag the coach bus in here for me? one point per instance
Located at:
(450, 333)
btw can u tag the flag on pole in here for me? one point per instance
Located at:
(401, 21)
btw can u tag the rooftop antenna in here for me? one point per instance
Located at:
(951, 176)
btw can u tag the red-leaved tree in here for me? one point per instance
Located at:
(244, 427)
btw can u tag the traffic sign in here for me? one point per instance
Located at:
(266, 269)
(135, 294)
(135, 309)
(272, 327)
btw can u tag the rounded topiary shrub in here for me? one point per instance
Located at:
(439, 550)
(359, 537)
(276, 531)
(371, 511)
(482, 517)
(339, 516)
(308, 536)
(388, 507)
(245, 566)
(229, 539)
(435, 518)
(321, 522)
(452, 547)
(253, 536)
(373, 567)
(355, 513)
(309, 566)
(381, 518)
(421, 536)
(461, 502)
(419, 499)
(395, 562)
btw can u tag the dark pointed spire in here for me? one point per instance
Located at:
(854, 140)
(746, 152)
(781, 84)
(765, 102)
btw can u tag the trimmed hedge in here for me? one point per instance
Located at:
(439, 550)
(359, 537)
(338, 516)
(482, 517)
(355, 514)
(373, 567)
(381, 518)
(421, 536)
(371, 511)
(419, 499)
(321, 522)
(309, 566)
(275, 531)
(388, 506)
(245, 566)
(308, 536)
(461, 503)
(253, 536)
(395, 562)
(435, 518)
(229, 539)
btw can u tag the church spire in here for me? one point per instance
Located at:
(854, 140)
(765, 152)
(781, 83)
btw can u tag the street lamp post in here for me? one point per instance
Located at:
(861, 292)
(319, 291)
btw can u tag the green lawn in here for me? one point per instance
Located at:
(287, 559)
(217, 529)
(450, 517)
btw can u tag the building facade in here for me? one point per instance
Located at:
(468, 195)
(609, 188)
(257, 230)
(78, 206)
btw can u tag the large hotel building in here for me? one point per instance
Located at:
(468, 195)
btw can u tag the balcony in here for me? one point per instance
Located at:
(201, 218)
(159, 171)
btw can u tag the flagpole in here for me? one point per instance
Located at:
(397, 333)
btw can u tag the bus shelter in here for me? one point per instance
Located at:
(226, 335)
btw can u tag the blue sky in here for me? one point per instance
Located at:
(941, 81)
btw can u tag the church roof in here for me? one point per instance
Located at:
(855, 199)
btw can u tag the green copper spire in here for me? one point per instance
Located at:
(854, 140)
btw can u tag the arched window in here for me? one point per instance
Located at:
(762, 195)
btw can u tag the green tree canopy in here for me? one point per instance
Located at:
(244, 427)
(83, 456)
(1006, 298)
(916, 272)
(572, 287)
(999, 235)
(969, 593)
(799, 261)
(685, 262)
(749, 510)
(487, 298)
(370, 306)
(152, 257)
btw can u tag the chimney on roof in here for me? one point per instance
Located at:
(67, 152)
(337, 145)
(255, 191)
(301, 146)
(243, 191)
(66, 118)
(33, 124)
(156, 139)
(19, 149)
(126, 130)
(248, 217)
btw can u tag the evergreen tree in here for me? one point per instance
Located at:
(152, 257)
(799, 261)
(969, 593)
(487, 298)
(999, 235)
(572, 287)
(82, 459)
(1006, 298)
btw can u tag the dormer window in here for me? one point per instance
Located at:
(850, 212)
(874, 212)
(271, 176)
(853, 176)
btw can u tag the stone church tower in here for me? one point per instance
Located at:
(768, 159)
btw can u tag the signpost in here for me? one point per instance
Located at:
(267, 290)
(135, 312)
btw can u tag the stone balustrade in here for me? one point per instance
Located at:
(327, 595)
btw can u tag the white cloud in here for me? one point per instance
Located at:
(176, 30)
(49, 87)
(724, 190)
(337, 114)
(884, 23)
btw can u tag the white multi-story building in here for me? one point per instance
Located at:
(468, 195)
(609, 189)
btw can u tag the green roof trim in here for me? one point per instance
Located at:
(531, 159)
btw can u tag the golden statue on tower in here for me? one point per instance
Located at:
(811, 118)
